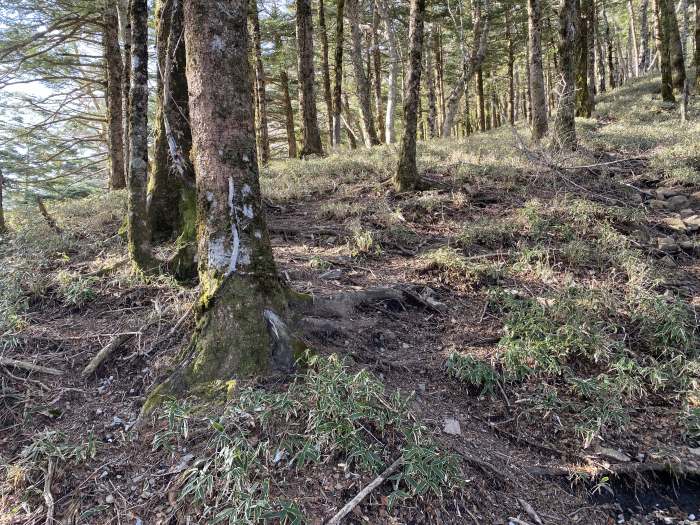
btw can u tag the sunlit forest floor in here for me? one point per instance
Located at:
(540, 361)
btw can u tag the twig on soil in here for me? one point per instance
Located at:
(103, 354)
(6, 361)
(354, 502)
(48, 497)
(530, 511)
(517, 521)
(618, 469)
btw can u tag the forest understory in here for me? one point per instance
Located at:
(521, 343)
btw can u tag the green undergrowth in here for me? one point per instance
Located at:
(329, 418)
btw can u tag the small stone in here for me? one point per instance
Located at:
(405, 345)
(686, 212)
(657, 204)
(674, 223)
(695, 196)
(614, 454)
(666, 193)
(331, 274)
(109, 499)
(694, 451)
(451, 427)
(667, 244)
(691, 517)
(678, 202)
(667, 261)
(421, 387)
(688, 246)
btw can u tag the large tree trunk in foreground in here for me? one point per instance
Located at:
(311, 136)
(664, 48)
(138, 227)
(407, 177)
(239, 328)
(262, 134)
(394, 63)
(564, 122)
(539, 102)
(363, 88)
(338, 75)
(470, 65)
(115, 111)
(325, 70)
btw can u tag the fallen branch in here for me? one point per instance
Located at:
(618, 469)
(354, 502)
(530, 511)
(103, 354)
(49, 220)
(6, 361)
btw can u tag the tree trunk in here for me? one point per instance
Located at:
(288, 115)
(538, 106)
(239, 329)
(664, 47)
(564, 122)
(138, 228)
(406, 177)
(363, 88)
(583, 106)
(394, 63)
(325, 68)
(684, 28)
(609, 44)
(511, 70)
(3, 226)
(377, 63)
(481, 106)
(113, 94)
(469, 65)
(125, 28)
(677, 61)
(600, 61)
(697, 45)
(633, 37)
(644, 37)
(338, 74)
(348, 122)
(439, 74)
(430, 91)
(311, 136)
(591, 55)
(262, 134)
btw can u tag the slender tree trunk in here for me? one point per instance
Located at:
(327, 96)
(527, 100)
(564, 122)
(394, 63)
(591, 55)
(125, 28)
(468, 128)
(288, 115)
(430, 91)
(349, 122)
(609, 45)
(406, 177)
(511, 72)
(583, 106)
(261, 128)
(338, 73)
(697, 45)
(677, 61)
(633, 38)
(377, 63)
(311, 136)
(439, 73)
(664, 47)
(3, 226)
(239, 328)
(114, 65)
(138, 227)
(600, 60)
(363, 86)
(481, 106)
(469, 66)
(535, 71)
(684, 28)
(644, 37)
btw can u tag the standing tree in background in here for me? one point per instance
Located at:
(263, 139)
(239, 327)
(430, 91)
(394, 63)
(377, 64)
(406, 177)
(113, 95)
(644, 37)
(663, 47)
(364, 97)
(325, 68)
(584, 11)
(125, 29)
(338, 75)
(564, 122)
(633, 39)
(311, 136)
(3, 227)
(674, 35)
(697, 45)
(539, 102)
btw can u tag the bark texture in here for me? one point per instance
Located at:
(311, 136)
(338, 74)
(125, 29)
(583, 104)
(634, 58)
(363, 86)
(697, 45)
(325, 69)
(288, 115)
(644, 37)
(674, 35)
(394, 63)
(3, 226)
(115, 113)
(261, 129)
(564, 124)
(239, 327)
(430, 92)
(377, 65)
(536, 73)
(664, 48)
(407, 177)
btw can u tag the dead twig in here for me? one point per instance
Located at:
(530, 511)
(354, 502)
(618, 469)
(48, 497)
(45, 214)
(103, 354)
(7, 361)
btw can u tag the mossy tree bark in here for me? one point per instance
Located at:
(664, 48)
(364, 97)
(239, 329)
(113, 95)
(564, 123)
(311, 144)
(338, 75)
(407, 177)
(261, 128)
(138, 227)
(536, 75)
